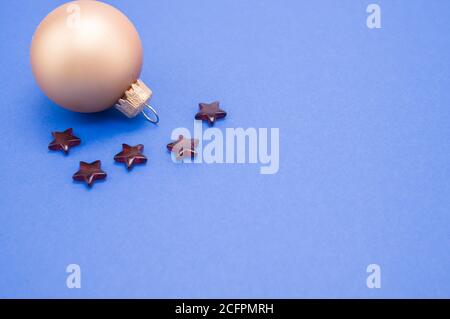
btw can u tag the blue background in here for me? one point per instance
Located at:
(364, 157)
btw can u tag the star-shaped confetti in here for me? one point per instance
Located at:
(183, 147)
(210, 112)
(63, 141)
(89, 172)
(131, 155)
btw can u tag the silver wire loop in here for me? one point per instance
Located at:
(153, 118)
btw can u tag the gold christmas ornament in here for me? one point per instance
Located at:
(87, 57)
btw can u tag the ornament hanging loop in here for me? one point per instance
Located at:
(154, 118)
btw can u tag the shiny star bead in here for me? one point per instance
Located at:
(183, 147)
(210, 112)
(89, 172)
(63, 141)
(131, 155)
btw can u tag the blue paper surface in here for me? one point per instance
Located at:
(364, 123)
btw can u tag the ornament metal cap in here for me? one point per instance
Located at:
(135, 100)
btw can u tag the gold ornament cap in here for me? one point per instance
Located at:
(134, 99)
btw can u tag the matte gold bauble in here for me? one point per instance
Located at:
(87, 56)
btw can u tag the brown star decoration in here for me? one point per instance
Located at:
(89, 173)
(63, 141)
(183, 147)
(131, 155)
(210, 112)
